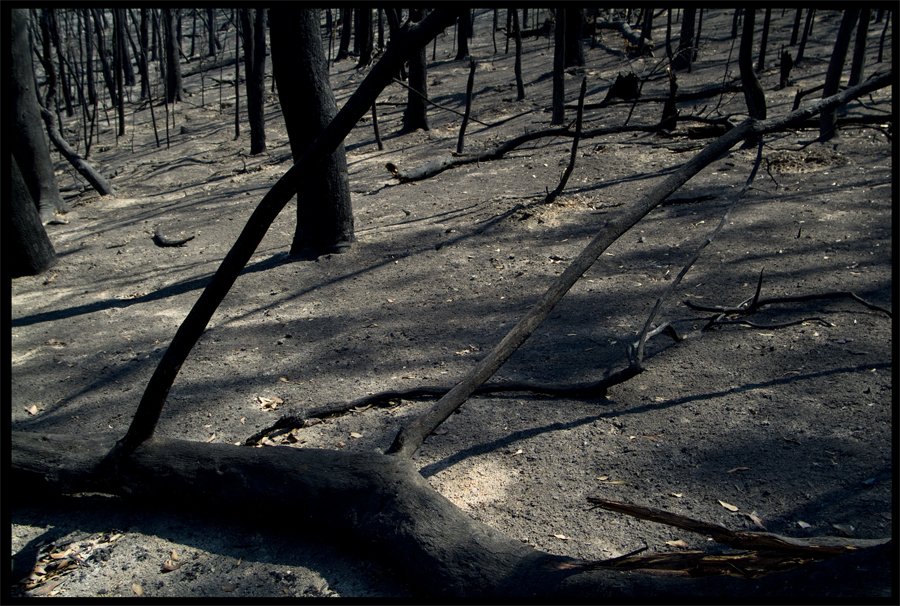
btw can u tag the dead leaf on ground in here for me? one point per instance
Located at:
(137, 589)
(562, 536)
(229, 588)
(33, 409)
(169, 565)
(210, 438)
(728, 506)
(677, 495)
(679, 544)
(354, 434)
(803, 524)
(738, 469)
(756, 520)
(847, 529)
(269, 403)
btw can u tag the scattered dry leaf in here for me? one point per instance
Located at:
(137, 589)
(49, 587)
(283, 379)
(803, 524)
(174, 555)
(679, 544)
(210, 438)
(243, 419)
(353, 434)
(756, 521)
(562, 536)
(518, 452)
(728, 506)
(847, 529)
(601, 478)
(33, 409)
(677, 495)
(269, 403)
(440, 431)
(169, 565)
(738, 469)
(229, 588)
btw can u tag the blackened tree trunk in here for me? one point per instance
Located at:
(761, 66)
(465, 32)
(121, 26)
(324, 211)
(144, 63)
(344, 48)
(89, 57)
(573, 30)
(795, 32)
(753, 92)
(646, 30)
(416, 115)
(807, 29)
(520, 86)
(104, 56)
(393, 19)
(211, 27)
(28, 142)
(827, 129)
(119, 67)
(559, 62)
(253, 26)
(57, 46)
(364, 35)
(174, 91)
(29, 251)
(684, 55)
(858, 65)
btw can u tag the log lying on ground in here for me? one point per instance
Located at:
(81, 165)
(383, 504)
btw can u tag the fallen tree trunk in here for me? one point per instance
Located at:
(81, 165)
(383, 504)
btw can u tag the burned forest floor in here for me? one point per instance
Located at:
(790, 425)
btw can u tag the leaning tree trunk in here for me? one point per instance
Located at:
(29, 250)
(324, 210)
(858, 64)
(28, 142)
(827, 128)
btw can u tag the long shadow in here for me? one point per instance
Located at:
(508, 441)
(264, 265)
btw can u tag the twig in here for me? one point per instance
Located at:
(643, 337)
(565, 178)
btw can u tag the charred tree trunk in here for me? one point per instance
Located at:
(89, 57)
(104, 57)
(144, 64)
(753, 92)
(29, 250)
(253, 26)
(416, 114)
(28, 142)
(827, 129)
(858, 64)
(574, 30)
(559, 76)
(174, 91)
(807, 29)
(344, 48)
(324, 209)
(684, 55)
(364, 35)
(520, 86)
(465, 33)
(761, 66)
(119, 67)
(211, 28)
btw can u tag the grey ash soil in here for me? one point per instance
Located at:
(792, 424)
